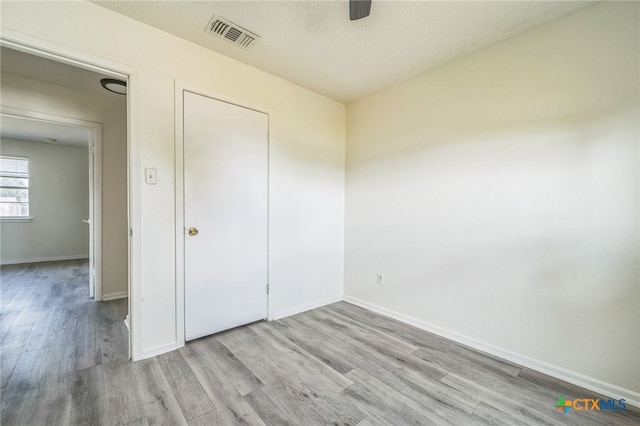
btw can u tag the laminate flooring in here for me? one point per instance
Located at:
(64, 362)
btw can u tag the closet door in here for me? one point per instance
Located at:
(225, 213)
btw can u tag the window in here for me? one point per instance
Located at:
(14, 187)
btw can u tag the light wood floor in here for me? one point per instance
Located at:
(64, 361)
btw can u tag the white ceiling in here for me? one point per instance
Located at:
(41, 69)
(314, 44)
(25, 129)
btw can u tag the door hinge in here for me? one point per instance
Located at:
(268, 289)
(130, 232)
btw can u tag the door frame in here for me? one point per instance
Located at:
(56, 52)
(94, 145)
(180, 88)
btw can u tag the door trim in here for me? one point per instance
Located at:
(180, 88)
(94, 145)
(56, 52)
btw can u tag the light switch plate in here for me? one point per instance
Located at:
(151, 176)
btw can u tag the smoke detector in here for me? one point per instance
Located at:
(231, 32)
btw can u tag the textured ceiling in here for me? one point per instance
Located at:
(313, 43)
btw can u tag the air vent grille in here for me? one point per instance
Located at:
(231, 32)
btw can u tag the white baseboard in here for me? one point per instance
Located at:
(631, 397)
(150, 353)
(304, 308)
(43, 259)
(114, 296)
(173, 346)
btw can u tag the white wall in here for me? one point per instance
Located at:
(111, 111)
(306, 158)
(499, 197)
(58, 202)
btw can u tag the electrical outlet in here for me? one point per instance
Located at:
(380, 279)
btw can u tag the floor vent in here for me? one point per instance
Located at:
(231, 32)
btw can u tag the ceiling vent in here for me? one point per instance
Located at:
(231, 32)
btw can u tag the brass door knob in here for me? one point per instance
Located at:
(193, 231)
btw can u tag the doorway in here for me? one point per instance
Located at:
(66, 133)
(46, 79)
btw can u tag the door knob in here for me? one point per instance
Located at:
(193, 231)
(85, 221)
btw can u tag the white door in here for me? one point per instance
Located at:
(225, 215)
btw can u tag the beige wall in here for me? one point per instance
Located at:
(58, 202)
(499, 197)
(111, 111)
(307, 132)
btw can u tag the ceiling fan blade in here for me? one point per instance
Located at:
(359, 9)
